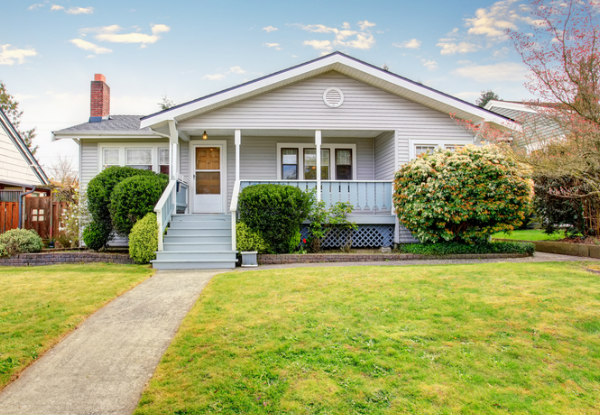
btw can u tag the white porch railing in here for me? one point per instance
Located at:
(365, 196)
(174, 197)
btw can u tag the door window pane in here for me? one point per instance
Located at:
(208, 158)
(289, 163)
(343, 164)
(208, 183)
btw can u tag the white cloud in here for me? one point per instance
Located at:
(237, 70)
(344, 36)
(10, 56)
(322, 45)
(450, 47)
(494, 21)
(35, 6)
(409, 44)
(72, 10)
(113, 34)
(270, 29)
(429, 64)
(504, 71)
(214, 76)
(89, 46)
(273, 45)
(80, 10)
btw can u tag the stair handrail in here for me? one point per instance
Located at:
(233, 210)
(164, 209)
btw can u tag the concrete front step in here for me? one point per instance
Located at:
(199, 232)
(198, 245)
(200, 225)
(192, 239)
(201, 218)
(195, 255)
(192, 264)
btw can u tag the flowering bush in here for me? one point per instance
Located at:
(462, 196)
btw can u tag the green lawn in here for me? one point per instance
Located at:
(530, 235)
(39, 305)
(469, 339)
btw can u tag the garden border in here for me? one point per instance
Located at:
(272, 259)
(64, 257)
(563, 248)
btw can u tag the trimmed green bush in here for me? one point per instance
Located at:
(96, 235)
(133, 198)
(451, 248)
(249, 240)
(462, 196)
(99, 190)
(275, 211)
(143, 239)
(17, 241)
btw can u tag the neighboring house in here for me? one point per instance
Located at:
(334, 124)
(20, 173)
(537, 127)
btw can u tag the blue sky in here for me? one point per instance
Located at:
(50, 50)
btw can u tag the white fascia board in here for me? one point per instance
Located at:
(90, 136)
(323, 65)
(509, 105)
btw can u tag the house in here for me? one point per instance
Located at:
(20, 174)
(334, 124)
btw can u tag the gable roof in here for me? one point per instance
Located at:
(22, 148)
(344, 64)
(113, 125)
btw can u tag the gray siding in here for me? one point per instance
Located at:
(184, 160)
(384, 156)
(88, 156)
(300, 106)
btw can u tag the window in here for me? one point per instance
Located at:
(422, 149)
(343, 164)
(110, 157)
(289, 164)
(163, 160)
(453, 147)
(310, 163)
(139, 158)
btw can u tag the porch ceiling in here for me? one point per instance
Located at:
(286, 133)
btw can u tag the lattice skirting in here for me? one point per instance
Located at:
(366, 236)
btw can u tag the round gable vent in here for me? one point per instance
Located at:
(333, 97)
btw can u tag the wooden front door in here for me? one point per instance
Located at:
(209, 180)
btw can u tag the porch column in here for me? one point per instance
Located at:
(318, 145)
(238, 141)
(173, 150)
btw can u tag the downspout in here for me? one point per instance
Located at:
(21, 205)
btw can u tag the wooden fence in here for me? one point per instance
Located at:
(9, 216)
(40, 214)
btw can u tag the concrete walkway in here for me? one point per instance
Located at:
(103, 366)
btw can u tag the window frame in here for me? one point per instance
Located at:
(122, 147)
(438, 143)
(331, 146)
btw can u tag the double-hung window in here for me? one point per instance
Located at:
(289, 164)
(310, 163)
(163, 160)
(299, 161)
(110, 157)
(343, 164)
(139, 158)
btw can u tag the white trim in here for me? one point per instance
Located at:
(192, 187)
(412, 143)
(335, 61)
(331, 147)
(509, 106)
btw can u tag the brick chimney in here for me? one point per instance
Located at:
(99, 99)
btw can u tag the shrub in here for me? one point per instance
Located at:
(17, 241)
(143, 239)
(100, 189)
(275, 211)
(133, 198)
(558, 211)
(450, 248)
(96, 235)
(462, 196)
(323, 221)
(249, 240)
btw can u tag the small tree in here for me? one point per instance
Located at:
(486, 96)
(462, 196)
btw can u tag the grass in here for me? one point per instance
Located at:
(530, 235)
(39, 305)
(470, 339)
